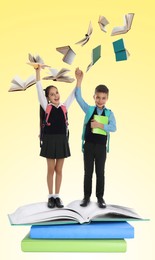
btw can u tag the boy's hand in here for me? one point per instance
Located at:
(95, 124)
(79, 75)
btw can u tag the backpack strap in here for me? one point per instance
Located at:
(107, 113)
(47, 113)
(86, 119)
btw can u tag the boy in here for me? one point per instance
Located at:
(95, 145)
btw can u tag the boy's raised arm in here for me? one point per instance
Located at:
(78, 96)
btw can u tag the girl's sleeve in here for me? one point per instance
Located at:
(70, 99)
(41, 95)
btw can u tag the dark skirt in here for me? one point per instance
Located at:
(55, 146)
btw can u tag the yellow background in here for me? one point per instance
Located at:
(40, 27)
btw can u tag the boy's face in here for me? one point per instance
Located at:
(100, 99)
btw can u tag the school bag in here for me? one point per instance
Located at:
(86, 119)
(45, 121)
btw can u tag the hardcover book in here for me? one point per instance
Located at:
(62, 245)
(103, 120)
(94, 230)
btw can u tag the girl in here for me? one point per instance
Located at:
(54, 143)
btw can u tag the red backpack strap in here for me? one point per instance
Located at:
(48, 111)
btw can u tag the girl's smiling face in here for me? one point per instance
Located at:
(54, 96)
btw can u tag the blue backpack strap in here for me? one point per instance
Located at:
(107, 113)
(86, 119)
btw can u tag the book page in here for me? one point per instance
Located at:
(92, 211)
(39, 212)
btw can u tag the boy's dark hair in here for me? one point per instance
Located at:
(102, 88)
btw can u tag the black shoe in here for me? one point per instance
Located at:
(85, 202)
(58, 203)
(101, 203)
(51, 202)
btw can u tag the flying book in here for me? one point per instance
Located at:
(119, 49)
(35, 61)
(69, 54)
(128, 18)
(102, 23)
(87, 36)
(95, 230)
(96, 54)
(73, 213)
(80, 245)
(59, 75)
(18, 84)
(103, 120)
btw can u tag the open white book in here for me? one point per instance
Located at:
(68, 53)
(128, 18)
(35, 61)
(18, 84)
(39, 213)
(102, 23)
(87, 36)
(59, 75)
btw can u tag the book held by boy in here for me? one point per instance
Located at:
(71, 245)
(39, 213)
(19, 84)
(128, 18)
(103, 120)
(94, 230)
(68, 53)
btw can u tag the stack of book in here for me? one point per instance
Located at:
(74, 228)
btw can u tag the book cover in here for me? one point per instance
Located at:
(119, 49)
(71, 245)
(94, 230)
(103, 120)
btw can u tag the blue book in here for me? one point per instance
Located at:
(94, 230)
(120, 52)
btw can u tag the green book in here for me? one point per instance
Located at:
(96, 55)
(103, 120)
(120, 52)
(71, 245)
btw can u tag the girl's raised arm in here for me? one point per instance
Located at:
(41, 95)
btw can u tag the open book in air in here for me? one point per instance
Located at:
(102, 23)
(128, 18)
(35, 61)
(73, 213)
(59, 75)
(121, 53)
(19, 84)
(68, 53)
(95, 56)
(87, 36)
